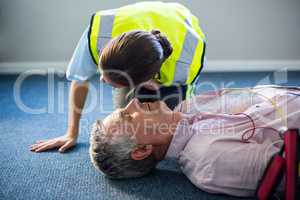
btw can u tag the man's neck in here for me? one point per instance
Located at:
(160, 151)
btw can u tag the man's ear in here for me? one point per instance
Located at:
(140, 153)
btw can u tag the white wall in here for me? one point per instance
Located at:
(239, 32)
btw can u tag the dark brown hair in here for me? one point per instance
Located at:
(139, 54)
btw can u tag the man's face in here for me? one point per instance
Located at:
(142, 120)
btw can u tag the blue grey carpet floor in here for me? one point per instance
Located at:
(51, 175)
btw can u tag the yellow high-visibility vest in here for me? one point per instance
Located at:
(173, 20)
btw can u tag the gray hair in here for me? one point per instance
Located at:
(112, 155)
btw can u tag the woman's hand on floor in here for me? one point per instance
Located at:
(62, 143)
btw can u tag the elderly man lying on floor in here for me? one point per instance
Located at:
(222, 140)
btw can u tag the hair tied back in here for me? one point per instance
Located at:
(164, 42)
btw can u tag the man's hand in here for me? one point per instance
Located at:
(63, 143)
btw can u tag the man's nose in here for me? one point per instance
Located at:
(132, 104)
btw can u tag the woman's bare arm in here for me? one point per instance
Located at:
(77, 97)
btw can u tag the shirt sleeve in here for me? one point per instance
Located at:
(81, 66)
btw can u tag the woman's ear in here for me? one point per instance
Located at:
(140, 153)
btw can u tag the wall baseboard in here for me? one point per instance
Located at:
(32, 67)
(252, 65)
(212, 66)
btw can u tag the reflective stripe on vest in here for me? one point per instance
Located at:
(106, 26)
(102, 26)
(185, 59)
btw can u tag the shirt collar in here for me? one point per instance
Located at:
(180, 138)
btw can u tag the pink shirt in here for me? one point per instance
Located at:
(208, 141)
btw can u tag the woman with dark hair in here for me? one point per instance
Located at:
(148, 50)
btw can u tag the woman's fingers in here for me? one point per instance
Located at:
(66, 146)
(44, 146)
(38, 142)
(35, 146)
(47, 146)
(63, 143)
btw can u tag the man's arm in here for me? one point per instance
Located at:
(77, 97)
